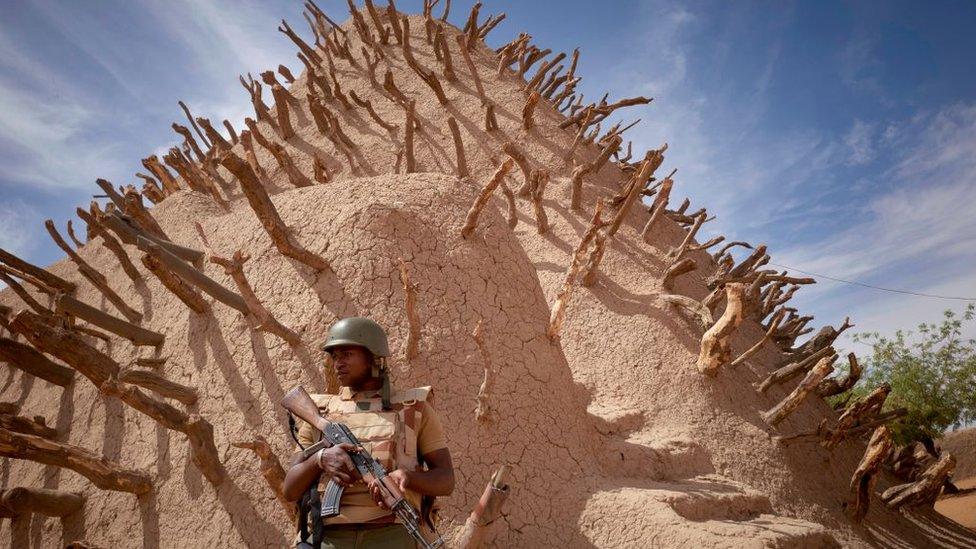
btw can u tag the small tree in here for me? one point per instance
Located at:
(933, 376)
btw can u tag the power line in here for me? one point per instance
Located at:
(908, 292)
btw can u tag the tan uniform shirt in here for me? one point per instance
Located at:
(356, 504)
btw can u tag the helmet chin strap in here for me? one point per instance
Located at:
(380, 370)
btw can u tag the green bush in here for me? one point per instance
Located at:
(932, 373)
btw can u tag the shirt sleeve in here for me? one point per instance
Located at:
(430, 436)
(307, 435)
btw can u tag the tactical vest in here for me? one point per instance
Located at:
(390, 436)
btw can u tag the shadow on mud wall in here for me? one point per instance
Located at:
(251, 525)
(149, 516)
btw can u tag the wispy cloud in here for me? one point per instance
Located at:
(860, 142)
(15, 217)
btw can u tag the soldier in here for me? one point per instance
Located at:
(399, 428)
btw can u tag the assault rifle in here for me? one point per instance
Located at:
(302, 406)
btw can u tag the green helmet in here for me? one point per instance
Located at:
(357, 330)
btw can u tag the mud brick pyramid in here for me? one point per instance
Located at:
(528, 267)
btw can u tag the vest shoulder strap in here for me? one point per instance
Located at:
(412, 396)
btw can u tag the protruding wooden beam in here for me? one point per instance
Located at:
(129, 233)
(474, 532)
(103, 473)
(137, 212)
(51, 280)
(471, 220)
(716, 348)
(234, 267)
(281, 156)
(528, 109)
(925, 490)
(425, 74)
(865, 476)
(267, 214)
(677, 269)
(185, 292)
(409, 124)
(65, 344)
(21, 292)
(472, 69)
(558, 312)
(33, 362)
(483, 409)
(540, 179)
(31, 426)
(158, 384)
(203, 452)
(190, 275)
(133, 332)
(271, 470)
(462, 163)
(833, 386)
(410, 305)
(111, 243)
(52, 503)
(371, 111)
(96, 278)
(779, 412)
(794, 369)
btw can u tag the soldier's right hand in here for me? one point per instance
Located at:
(336, 463)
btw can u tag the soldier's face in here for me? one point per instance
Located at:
(352, 365)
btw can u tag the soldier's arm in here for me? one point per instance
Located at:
(334, 462)
(438, 479)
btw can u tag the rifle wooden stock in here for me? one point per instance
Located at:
(299, 403)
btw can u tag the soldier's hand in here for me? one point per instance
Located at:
(399, 478)
(336, 463)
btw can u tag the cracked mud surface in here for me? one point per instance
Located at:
(614, 438)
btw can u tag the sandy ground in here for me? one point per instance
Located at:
(613, 437)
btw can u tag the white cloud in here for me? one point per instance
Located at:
(860, 142)
(44, 142)
(16, 221)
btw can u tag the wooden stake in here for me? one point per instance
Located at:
(31, 426)
(716, 347)
(410, 305)
(96, 278)
(234, 267)
(133, 332)
(186, 293)
(471, 220)
(462, 163)
(558, 313)
(865, 476)
(33, 362)
(779, 412)
(425, 74)
(483, 410)
(158, 384)
(474, 532)
(408, 137)
(22, 293)
(267, 214)
(527, 110)
(103, 473)
(677, 269)
(466, 54)
(190, 275)
(51, 280)
(52, 503)
(925, 490)
(516, 154)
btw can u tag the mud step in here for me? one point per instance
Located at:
(706, 511)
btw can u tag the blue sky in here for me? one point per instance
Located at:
(843, 135)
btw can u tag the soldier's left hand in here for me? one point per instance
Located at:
(399, 477)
